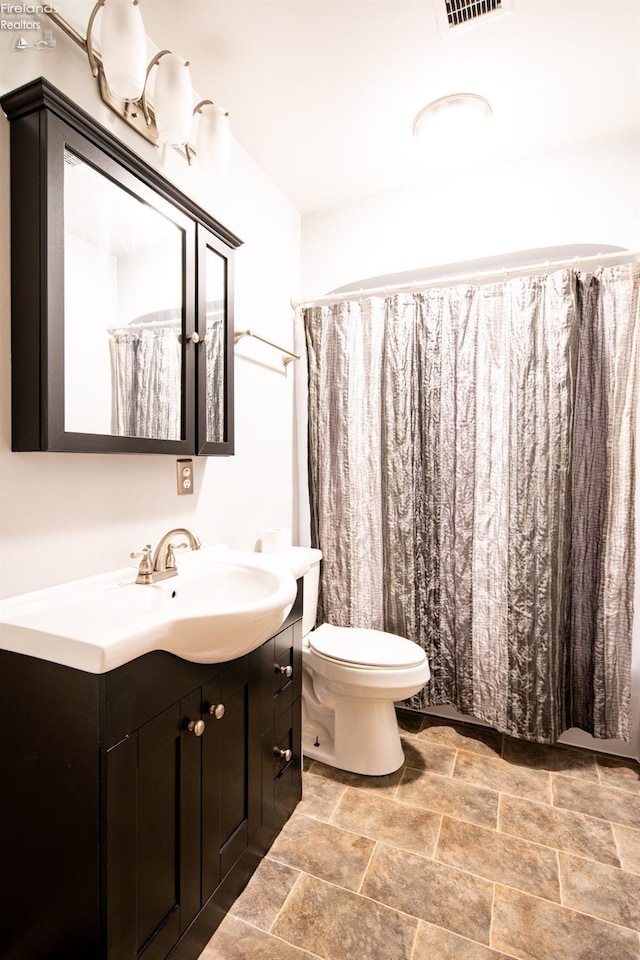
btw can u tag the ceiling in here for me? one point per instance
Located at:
(323, 93)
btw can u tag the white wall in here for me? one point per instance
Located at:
(69, 515)
(584, 195)
(588, 195)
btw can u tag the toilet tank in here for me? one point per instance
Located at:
(310, 593)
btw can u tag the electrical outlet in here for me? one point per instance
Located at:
(184, 469)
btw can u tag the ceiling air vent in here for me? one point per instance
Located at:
(463, 13)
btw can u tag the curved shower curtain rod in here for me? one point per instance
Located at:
(504, 272)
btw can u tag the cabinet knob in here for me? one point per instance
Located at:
(196, 338)
(217, 710)
(283, 754)
(285, 671)
(197, 727)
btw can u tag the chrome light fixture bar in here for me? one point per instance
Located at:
(123, 76)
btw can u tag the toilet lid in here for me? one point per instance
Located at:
(369, 648)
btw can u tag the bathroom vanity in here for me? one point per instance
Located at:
(141, 800)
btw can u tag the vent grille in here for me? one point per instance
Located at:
(454, 16)
(464, 11)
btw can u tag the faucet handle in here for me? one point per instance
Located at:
(171, 549)
(145, 565)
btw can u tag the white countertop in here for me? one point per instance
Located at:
(298, 559)
(98, 623)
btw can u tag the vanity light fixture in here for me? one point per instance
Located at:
(122, 72)
(452, 120)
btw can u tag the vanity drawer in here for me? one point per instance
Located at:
(281, 671)
(281, 767)
(287, 783)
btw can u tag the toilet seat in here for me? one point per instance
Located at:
(360, 647)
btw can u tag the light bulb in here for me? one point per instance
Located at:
(214, 138)
(123, 45)
(173, 100)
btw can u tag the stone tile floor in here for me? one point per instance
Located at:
(480, 847)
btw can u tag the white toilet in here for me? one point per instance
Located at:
(351, 680)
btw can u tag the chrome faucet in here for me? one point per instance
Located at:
(163, 562)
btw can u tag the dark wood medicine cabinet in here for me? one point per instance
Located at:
(121, 294)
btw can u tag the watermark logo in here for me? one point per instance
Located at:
(44, 42)
(22, 19)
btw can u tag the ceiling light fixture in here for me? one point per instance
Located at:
(122, 73)
(452, 120)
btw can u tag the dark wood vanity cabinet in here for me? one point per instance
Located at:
(138, 803)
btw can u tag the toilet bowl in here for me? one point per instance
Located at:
(352, 678)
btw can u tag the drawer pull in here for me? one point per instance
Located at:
(217, 710)
(197, 727)
(285, 671)
(285, 755)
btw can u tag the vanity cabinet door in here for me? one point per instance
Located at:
(225, 787)
(153, 834)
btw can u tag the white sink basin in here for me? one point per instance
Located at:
(222, 604)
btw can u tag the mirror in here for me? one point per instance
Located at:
(123, 314)
(215, 281)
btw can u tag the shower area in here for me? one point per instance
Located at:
(472, 448)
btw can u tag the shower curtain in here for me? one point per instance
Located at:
(146, 376)
(472, 483)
